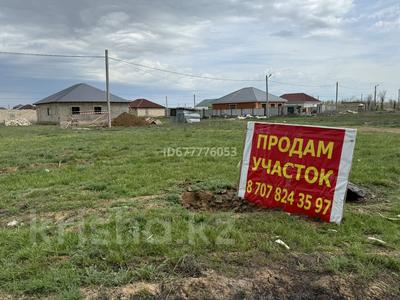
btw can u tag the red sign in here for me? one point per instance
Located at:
(301, 169)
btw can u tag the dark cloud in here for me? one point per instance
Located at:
(230, 38)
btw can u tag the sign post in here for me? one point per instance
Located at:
(301, 169)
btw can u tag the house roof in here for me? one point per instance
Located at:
(206, 103)
(81, 92)
(248, 94)
(296, 98)
(27, 106)
(144, 103)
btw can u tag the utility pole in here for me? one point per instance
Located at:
(375, 96)
(266, 111)
(166, 106)
(362, 97)
(108, 90)
(398, 100)
(337, 96)
(194, 100)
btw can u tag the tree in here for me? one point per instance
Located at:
(382, 96)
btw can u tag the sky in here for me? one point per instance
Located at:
(307, 45)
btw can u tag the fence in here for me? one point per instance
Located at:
(14, 114)
(241, 112)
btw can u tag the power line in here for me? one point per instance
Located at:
(215, 78)
(183, 74)
(352, 88)
(17, 98)
(50, 55)
(16, 91)
(166, 70)
(124, 61)
(148, 71)
(300, 84)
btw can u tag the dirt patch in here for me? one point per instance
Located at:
(224, 200)
(8, 170)
(34, 166)
(188, 266)
(137, 290)
(127, 120)
(277, 282)
(273, 282)
(227, 199)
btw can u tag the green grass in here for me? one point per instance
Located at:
(104, 237)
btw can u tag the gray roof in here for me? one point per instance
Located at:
(81, 92)
(248, 94)
(206, 103)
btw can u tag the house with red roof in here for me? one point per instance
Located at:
(146, 108)
(302, 104)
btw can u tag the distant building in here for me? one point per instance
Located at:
(248, 98)
(27, 106)
(146, 108)
(302, 104)
(206, 103)
(80, 101)
(184, 115)
(24, 106)
(358, 106)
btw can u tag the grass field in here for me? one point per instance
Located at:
(99, 212)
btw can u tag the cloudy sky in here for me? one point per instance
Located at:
(307, 45)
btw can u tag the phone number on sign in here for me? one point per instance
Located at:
(285, 196)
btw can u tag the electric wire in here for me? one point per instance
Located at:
(189, 75)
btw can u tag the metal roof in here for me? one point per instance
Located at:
(248, 94)
(144, 103)
(206, 103)
(26, 106)
(81, 92)
(296, 98)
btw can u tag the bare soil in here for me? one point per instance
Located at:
(283, 281)
(127, 120)
(223, 200)
(227, 200)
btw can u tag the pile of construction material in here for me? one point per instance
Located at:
(152, 121)
(128, 120)
(17, 122)
(248, 116)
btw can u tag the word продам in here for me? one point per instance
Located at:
(297, 147)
